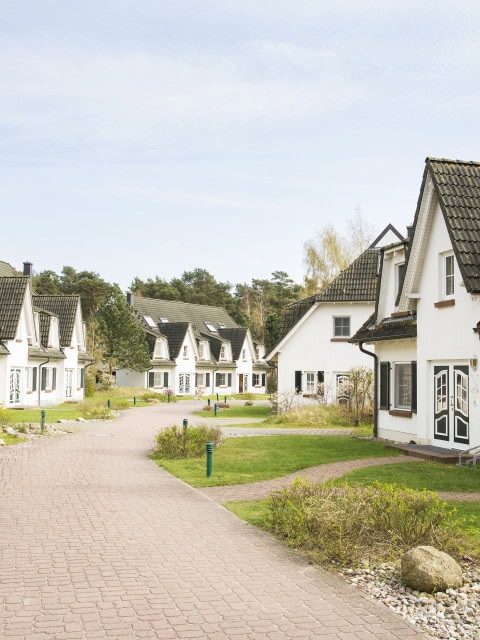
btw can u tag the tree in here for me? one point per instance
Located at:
(47, 283)
(328, 253)
(122, 338)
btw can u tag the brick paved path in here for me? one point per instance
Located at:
(97, 542)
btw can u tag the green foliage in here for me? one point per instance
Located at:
(89, 389)
(313, 415)
(119, 404)
(187, 442)
(347, 525)
(123, 338)
(95, 411)
(6, 417)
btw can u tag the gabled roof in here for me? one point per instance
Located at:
(65, 307)
(457, 185)
(174, 311)
(394, 328)
(12, 296)
(175, 333)
(236, 337)
(44, 321)
(7, 271)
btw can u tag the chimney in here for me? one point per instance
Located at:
(27, 269)
(130, 298)
(409, 231)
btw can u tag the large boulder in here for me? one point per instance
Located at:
(427, 569)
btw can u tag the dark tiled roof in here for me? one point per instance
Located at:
(215, 345)
(457, 185)
(45, 322)
(196, 314)
(12, 296)
(175, 333)
(236, 338)
(389, 329)
(356, 283)
(7, 271)
(65, 307)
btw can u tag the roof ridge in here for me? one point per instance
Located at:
(451, 161)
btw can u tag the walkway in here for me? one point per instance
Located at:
(98, 542)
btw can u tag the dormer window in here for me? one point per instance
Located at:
(202, 351)
(399, 271)
(222, 352)
(159, 351)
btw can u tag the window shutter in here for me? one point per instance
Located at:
(44, 379)
(196, 379)
(320, 377)
(217, 379)
(414, 386)
(165, 378)
(151, 378)
(385, 385)
(229, 380)
(207, 379)
(54, 378)
(34, 378)
(82, 378)
(298, 380)
(264, 379)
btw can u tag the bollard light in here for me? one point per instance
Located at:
(215, 409)
(43, 413)
(209, 450)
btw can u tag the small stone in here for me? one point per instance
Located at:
(2, 442)
(11, 431)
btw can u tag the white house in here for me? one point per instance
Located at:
(42, 341)
(315, 349)
(195, 349)
(426, 337)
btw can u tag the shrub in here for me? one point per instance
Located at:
(187, 442)
(89, 389)
(95, 411)
(347, 525)
(207, 407)
(118, 404)
(223, 405)
(314, 415)
(150, 396)
(5, 417)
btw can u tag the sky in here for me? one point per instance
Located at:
(145, 137)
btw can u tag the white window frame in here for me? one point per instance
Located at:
(222, 379)
(448, 275)
(310, 382)
(398, 276)
(256, 380)
(185, 351)
(402, 386)
(200, 380)
(341, 333)
(159, 349)
(223, 352)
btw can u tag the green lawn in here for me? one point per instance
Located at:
(11, 439)
(434, 476)
(238, 411)
(53, 414)
(251, 459)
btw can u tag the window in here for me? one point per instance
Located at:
(256, 379)
(200, 379)
(399, 271)
(150, 321)
(49, 379)
(184, 383)
(210, 326)
(449, 265)
(310, 382)
(222, 353)
(31, 379)
(341, 326)
(221, 379)
(185, 351)
(81, 378)
(343, 387)
(201, 351)
(164, 320)
(159, 349)
(403, 386)
(244, 354)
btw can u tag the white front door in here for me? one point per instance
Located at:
(451, 425)
(184, 383)
(68, 383)
(15, 385)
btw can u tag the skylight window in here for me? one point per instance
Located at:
(210, 326)
(221, 325)
(150, 321)
(164, 320)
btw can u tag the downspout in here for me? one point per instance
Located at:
(40, 380)
(375, 388)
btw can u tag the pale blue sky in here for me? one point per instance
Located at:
(145, 137)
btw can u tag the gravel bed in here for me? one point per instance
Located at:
(452, 614)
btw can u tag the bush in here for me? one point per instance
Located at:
(95, 411)
(223, 405)
(314, 415)
(118, 404)
(347, 525)
(5, 417)
(89, 389)
(151, 397)
(174, 442)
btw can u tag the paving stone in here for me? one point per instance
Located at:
(99, 542)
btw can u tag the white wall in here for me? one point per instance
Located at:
(310, 347)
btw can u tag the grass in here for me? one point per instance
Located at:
(243, 460)
(318, 416)
(8, 440)
(53, 414)
(433, 476)
(254, 511)
(239, 411)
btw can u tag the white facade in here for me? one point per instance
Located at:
(314, 349)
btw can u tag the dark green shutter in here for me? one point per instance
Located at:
(151, 379)
(414, 386)
(217, 379)
(229, 380)
(298, 380)
(385, 385)
(34, 378)
(54, 378)
(207, 379)
(82, 378)
(320, 377)
(44, 379)
(165, 379)
(264, 379)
